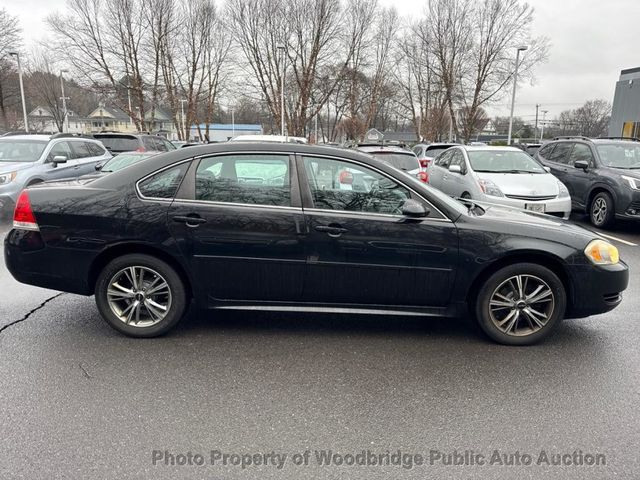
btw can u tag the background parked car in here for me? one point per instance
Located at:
(602, 175)
(503, 175)
(426, 152)
(123, 160)
(29, 159)
(397, 157)
(126, 142)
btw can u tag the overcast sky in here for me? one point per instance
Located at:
(591, 41)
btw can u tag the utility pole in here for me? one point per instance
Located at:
(544, 116)
(513, 94)
(64, 102)
(536, 129)
(24, 103)
(284, 71)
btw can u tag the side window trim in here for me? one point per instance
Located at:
(187, 191)
(307, 197)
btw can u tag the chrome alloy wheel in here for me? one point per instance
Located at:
(139, 296)
(599, 210)
(521, 305)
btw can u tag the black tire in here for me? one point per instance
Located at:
(176, 299)
(602, 210)
(466, 195)
(526, 331)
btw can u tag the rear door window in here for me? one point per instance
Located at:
(81, 149)
(546, 150)
(254, 179)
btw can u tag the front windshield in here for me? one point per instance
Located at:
(503, 161)
(21, 150)
(123, 160)
(401, 161)
(620, 154)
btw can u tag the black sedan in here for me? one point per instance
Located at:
(268, 226)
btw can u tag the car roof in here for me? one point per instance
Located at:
(269, 138)
(480, 148)
(384, 149)
(30, 136)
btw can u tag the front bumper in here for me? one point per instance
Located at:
(596, 289)
(560, 207)
(628, 204)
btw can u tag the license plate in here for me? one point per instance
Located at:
(535, 207)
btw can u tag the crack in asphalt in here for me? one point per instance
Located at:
(31, 312)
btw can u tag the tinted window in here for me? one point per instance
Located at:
(457, 158)
(149, 143)
(435, 150)
(444, 159)
(546, 150)
(580, 152)
(62, 149)
(401, 161)
(119, 143)
(95, 149)
(255, 179)
(339, 185)
(168, 145)
(81, 149)
(561, 153)
(16, 150)
(163, 184)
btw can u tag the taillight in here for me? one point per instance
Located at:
(23, 217)
(424, 162)
(424, 177)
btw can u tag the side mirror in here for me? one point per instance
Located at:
(547, 169)
(583, 164)
(58, 159)
(455, 169)
(413, 208)
(99, 166)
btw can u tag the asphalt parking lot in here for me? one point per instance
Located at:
(249, 394)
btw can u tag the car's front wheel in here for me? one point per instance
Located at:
(521, 304)
(140, 295)
(602, 210)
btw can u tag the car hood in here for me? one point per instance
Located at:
(6, 167)
(524, 184)
(538, 222)
(629, 172)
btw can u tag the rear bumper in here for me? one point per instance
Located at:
(30, 261)
(596, 289)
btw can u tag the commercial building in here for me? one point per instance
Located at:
(625, 115)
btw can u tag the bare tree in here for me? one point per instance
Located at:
(9, 40)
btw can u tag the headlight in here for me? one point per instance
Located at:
(490, 188)
(7, 177)
(562, 189)
(632, 182)
(602, 253)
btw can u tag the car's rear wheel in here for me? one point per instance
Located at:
(521, 304)
(602, 210)
(140, 295)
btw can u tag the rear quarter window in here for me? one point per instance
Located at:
(163, 184)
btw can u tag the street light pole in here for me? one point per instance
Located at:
(184, 129)
(24, 103)
(64, 102)
(233, 121)
(513, 94)
(284, 71)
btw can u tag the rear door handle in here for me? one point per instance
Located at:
(190, 220)
(332, 231)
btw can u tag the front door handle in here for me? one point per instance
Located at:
(190, 220)
(331, 230)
